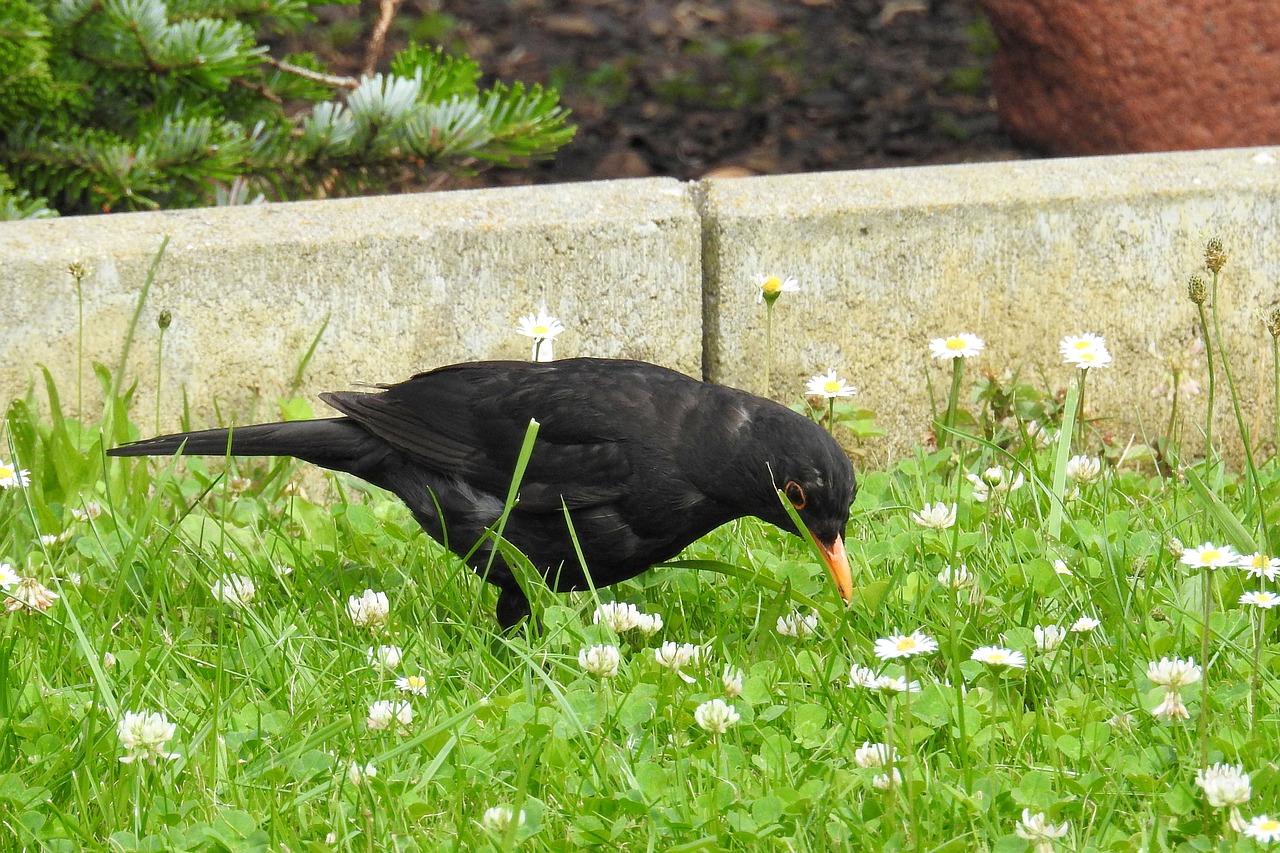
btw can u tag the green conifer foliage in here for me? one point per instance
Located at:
(110, 105)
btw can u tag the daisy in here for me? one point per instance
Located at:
(498, 819)
(963, 345)
(937, 516)
(412, 684)
(369, 610)
(1084, 469)
(996, 656)
(1036, 828)
(1262, 598)
(905, 645)
(1085, 351)
(771, 287)
(1224, 785)
(236, 590)
(1084, 624)
(1173, 674)
(11, 475)
(1264, 829)
(143, 736)
(600, 661)
(716, 716)
(1260, 565)
(1210, 556)
(828, 386)
(8, 577)
(543, 328)
(385, 658)
(797, 624)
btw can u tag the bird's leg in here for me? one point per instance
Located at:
(512, 606)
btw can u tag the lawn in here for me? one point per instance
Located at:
(210, 655)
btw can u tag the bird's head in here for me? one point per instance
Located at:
(813, 474)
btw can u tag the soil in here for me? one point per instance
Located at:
(690, 88)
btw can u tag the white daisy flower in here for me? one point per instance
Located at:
(1263, 829)
(905, 645)
(12, 476)
(1084, 624)
(771, 287)
(1210, 556)
(963, 345)
(8, 577)
(1085, 351)
(828, 385)
(1262, 598)
(1260, 565)
(543, 328)
(415, 684)
(996, 656)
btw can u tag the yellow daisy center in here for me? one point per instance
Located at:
(6, 471)
(998, 657)
(1088, 356)
(1081, 345)
(955, 344)
(906, 644)
(541, 331)
(1209, 556)
(1270, 825)
(772, 284)
(832, 386)
(1258, 561)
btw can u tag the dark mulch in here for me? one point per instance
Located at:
(690, 87)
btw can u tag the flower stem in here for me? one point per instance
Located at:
(1079, 436)
(953, 400)
(1206, 591)
(159, 369)
(1275, 394)
(1208, 360)
(1173, 419)
(831, 415)
(957, 681)
(1255, 683)
(768, 348)
(908, 755)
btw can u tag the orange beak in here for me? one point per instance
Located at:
(838, 567)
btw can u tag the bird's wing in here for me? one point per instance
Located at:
(469, 421)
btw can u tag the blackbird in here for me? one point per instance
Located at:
(641, 459)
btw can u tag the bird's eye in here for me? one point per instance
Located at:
(795, 494)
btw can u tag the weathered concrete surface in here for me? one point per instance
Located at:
(407, 282)
(1020, 254)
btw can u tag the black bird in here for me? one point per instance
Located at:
(645, 460)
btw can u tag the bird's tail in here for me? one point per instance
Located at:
(336, 443)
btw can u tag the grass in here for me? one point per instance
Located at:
(269, 699)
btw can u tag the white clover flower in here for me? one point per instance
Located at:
(8, 577)
(143, 735)
(498, 819)
(90, 511)
(1224, 785)
(369, 610)
(862, 676)
(828, 386)
(619, 616)
(385, 658)
(963, 345)
(1172, 708)
(732, 681)
(649, 624)
(358, 775)
(12, 476)
(1084, 624)
(1260, 565)
(797, 624)
(236, 590)
(1049, 637)
(282, 570)
(1174, 674)
(905, 645)
(937, 516)
(1036, 828)
(1085, 351)
(874, 755)
(716, 716)
(48, 540)
(1084, 469)
(415, 684)
(677, 657)
(995, 482)
(996, 656)
(956, 577)
(600, 661)
(108, 660)
(1263, 829)
(32, 595)
(771, 287)
(1210, 556)
(885, 781)
(1262, 598)
(898, 684)
(385, 712)
(543, 328)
